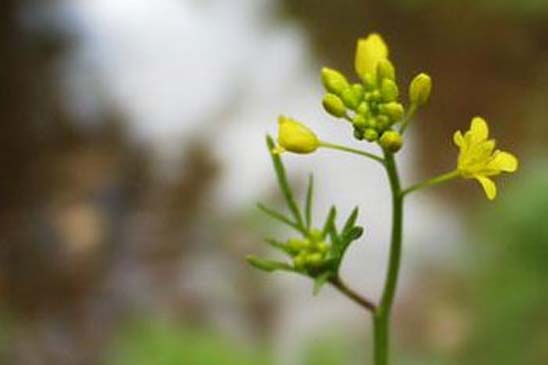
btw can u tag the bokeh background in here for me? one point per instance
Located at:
(132, 155)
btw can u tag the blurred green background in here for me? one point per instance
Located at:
(131, 157)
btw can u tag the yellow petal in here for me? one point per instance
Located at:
(488, 186)
(479, 130)
(503, 161)
(369, 52)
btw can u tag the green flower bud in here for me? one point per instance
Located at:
(369, 81)
(383, 122)
(350, 98)
(389, 90)
(300, 261)
(374, 95)
(314, 259)
(385, 70)
(359, 121)
(420, 89)
(295, 245)
(358, 134)
(358, 90)
(391, 141)
(316, 235)
(333, 81)
(363, 108)
(393, 110)
(322, 247)
(334, 105)
(370, 135)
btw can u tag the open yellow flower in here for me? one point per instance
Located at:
(478, 158)
(369, 51)
(295, 137)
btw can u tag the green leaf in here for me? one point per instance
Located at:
(330, 220)
(279, 216)
(308, 205)
(267, 265)
(351, 220)
(320, 281)
(283, 183)
(279, 245)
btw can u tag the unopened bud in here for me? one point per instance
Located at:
(370, 135)
(385, 70)
(393, 110)
(334, 105)
(389, 90)
(420, 89)
(333, 81)
(363, 109)
(359, 121)
(350, 98)
(391, 141)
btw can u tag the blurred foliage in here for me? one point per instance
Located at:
(510, 296)
(158, 343)
(334, 349)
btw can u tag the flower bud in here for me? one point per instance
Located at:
(333, 81)
(391, 141)
(296, 137)
(359, 121)
(370, 135)
(393, 110)
(383, 122)
(296, 245)
(334, 105)
(322, 247)
(389, 90)
(385, 70)
(420, 89)
(300, 261)
(314, 259)
(358, 133)
(350, 98)
(316, 235)
(363, 109)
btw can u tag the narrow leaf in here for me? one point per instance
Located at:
(330, 220)
(279, 216)
(351, 220)
(320, 281)
(279, 245)
(282, 182)
(308, 205)
(267, 265)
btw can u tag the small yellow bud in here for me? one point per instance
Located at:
(300, 261)
(420, 89)
(385, 70)
(333, 81)
(383, 122)
(296, 137)
(371, 135)
(322, 247)
(334, 105)
(391, 141)
(351, 98)
(389, 90)
(316, 235)
(393, 110)
(369, 51)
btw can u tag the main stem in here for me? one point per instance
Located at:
(381, 317)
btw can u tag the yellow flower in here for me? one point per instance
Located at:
(369, 52)
(295, 137)
(478, 159)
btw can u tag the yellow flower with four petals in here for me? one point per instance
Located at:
(478, 158)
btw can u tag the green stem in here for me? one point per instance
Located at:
(433, 181)
(351, 294)
(352, 150)
(381, 320)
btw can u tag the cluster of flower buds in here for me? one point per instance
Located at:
(309, 253)
(372, 106)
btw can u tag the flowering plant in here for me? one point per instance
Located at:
(376, 115)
